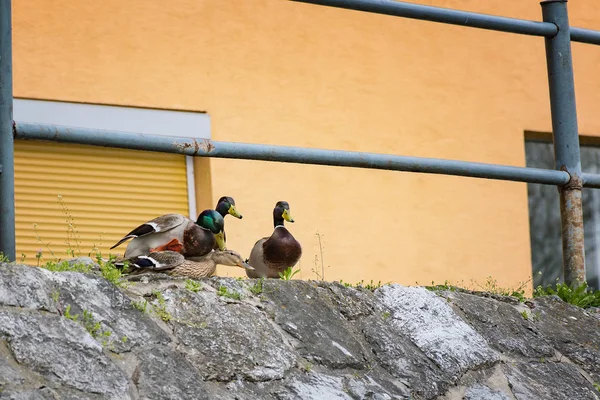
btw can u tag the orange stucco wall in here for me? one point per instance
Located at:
(278, 72)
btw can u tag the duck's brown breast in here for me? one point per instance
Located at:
(281, 250)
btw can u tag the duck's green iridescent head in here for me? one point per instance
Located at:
(214, 222)
(226, 205)
(281, 212)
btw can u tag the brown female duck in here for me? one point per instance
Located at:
(175, 264)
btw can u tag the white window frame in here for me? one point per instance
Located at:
(120, 118)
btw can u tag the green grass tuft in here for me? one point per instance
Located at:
(578, 295)
(140, 305)
(160, 309)
(257, 288)
(193, 286)
(288, 273)
(224, 292)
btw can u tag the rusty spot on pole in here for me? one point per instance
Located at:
(206, 146)
(571, 212)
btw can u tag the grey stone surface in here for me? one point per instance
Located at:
(502, 325)
(27, 287)
(166, 374)
(322, 334)
(290, 340)
(548, 380)
(433, 327)
(62, 351)
(259, 354)
(110, 307)
(481, 392)
(572, 331)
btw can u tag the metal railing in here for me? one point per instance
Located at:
(567, 176)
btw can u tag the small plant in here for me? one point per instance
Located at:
(525, 315)
(67, 314)
(223, 291)
(140, 305)
(578, 295)
(369, 286)
(288, 273)
(110, 272)
(193, 286)
(90, 325)
(3, 258)
(73, 240)
(597, 386)
(346, 284)
(257, 288)
(319, 261)
(385, 315)
(124, 339)
(307, 367)
(161, 308)
(61, 266)
(491, 286)
(87, 321)
(441, 287)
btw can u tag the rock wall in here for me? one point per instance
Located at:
(68, 335)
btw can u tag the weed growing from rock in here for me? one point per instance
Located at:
(160, 309)
(93, 327)
(140, 305)
(224, 292)
(578, 295)
(372, 286)
(60, 266)
(109, 271)
(257, 288)
(288, 273)
(192, 285)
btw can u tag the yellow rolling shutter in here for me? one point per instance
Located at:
(80, 197)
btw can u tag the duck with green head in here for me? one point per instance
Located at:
(226, 206)
(178, 233)
(274, 254)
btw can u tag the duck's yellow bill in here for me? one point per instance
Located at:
(220, 238)
(287, 216)
(233, 211)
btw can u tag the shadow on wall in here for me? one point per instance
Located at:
(544, 217)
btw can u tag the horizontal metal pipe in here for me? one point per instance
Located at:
(585, 36)
(444, 15)
(591, 180)
(209, 148)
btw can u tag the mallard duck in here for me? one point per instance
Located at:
(272, 255)
(176, 232)
(226, 205)
(175, 264)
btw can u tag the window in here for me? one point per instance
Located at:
(103, 192)
(544, 216)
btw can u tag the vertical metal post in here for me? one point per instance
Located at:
(565, 138)
(7, 176)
